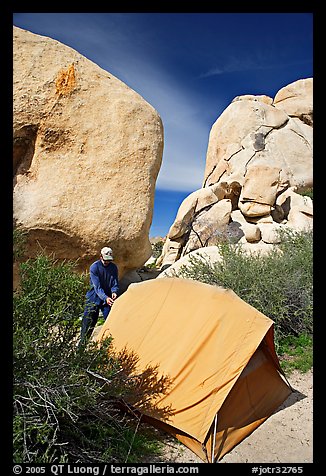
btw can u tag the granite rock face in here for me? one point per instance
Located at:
(252, 131)
(87, 152)
(259, 163)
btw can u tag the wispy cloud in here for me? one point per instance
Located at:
(234, 65)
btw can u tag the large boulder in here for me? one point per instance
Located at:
(296, 99)
(87, 152)
(259, 190)
(259, 165)
(209, 226)
(251, 131)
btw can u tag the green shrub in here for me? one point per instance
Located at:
(157, 249)
(309, 192)
(19, 240)
(296, 353)
(65, 399)
(277, 284)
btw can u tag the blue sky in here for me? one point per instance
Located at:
(189, 67)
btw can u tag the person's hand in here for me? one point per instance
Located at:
(110, 300)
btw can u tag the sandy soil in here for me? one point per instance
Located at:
(285, 437)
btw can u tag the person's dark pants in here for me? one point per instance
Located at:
(91, 313)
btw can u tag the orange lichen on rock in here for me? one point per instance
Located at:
(66, 81)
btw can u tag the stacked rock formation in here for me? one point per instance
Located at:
(87, 152)
(259, 162)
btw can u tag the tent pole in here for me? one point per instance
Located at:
(214, 436)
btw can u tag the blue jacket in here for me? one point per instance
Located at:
(103, 281)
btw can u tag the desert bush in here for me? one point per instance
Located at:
(309, 192)
(19, 240)
(157, 248)
(280, 285)
(296, 352)
(66, 399)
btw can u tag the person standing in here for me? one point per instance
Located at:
(104, 289)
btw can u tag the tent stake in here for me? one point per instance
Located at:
(214, 437)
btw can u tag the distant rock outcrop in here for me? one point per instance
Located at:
(259, 161)
(87, 152)
(252, 131)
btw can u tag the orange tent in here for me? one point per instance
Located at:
(218, 352)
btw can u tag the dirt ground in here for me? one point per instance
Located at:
(285, 437)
